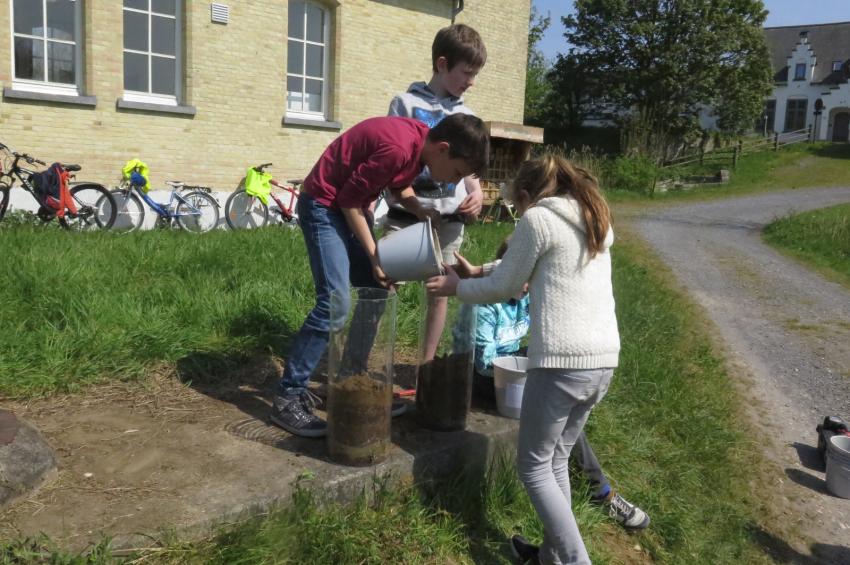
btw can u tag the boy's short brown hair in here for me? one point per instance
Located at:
(468, 139)
(458, 43)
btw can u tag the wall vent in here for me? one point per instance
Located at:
(220, 13)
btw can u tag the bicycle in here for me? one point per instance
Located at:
(80, 206)
(195, 211)
(247, 211)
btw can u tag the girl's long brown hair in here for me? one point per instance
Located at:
(534, 181)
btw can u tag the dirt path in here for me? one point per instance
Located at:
(788, 332)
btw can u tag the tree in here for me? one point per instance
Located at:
(664, 62)
(536, 86)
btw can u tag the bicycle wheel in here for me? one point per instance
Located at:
(131, 211)
(197, 212)
(4, 199)
(96, 209)
(244, 212)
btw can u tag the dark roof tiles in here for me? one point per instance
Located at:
(829, 43)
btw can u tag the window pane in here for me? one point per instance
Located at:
(313, 98)
(138, 4)
(163, 35)
(295, 58)
(315, 23)
(294, 88)
(60, 62)
(296, 19)
(29, 18)
(163, 76)
(314, 60)
(135, 72)
(60, 19)
(164, 7)
(29, 58)
(135, 31)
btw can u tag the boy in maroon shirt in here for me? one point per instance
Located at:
(333, 212)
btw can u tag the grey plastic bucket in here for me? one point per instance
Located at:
(509, 380)
(411, 254)
(838, 466)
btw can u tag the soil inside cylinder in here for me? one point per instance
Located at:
(359, 420)
(444, 392)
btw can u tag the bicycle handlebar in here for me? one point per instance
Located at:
(28, 158)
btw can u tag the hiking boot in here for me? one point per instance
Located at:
(524, 551)
(625, 513)
(295, 415)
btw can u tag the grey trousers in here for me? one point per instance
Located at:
(555, 407)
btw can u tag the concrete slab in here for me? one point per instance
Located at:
(185, 457)
(26, 460)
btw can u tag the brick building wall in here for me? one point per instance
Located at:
(235, 77)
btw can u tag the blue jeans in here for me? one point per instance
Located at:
(336, 259)
(555, 407)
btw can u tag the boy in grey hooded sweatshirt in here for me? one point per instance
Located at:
(457, 54)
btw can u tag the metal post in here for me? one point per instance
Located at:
(776, 141)
(735, 158)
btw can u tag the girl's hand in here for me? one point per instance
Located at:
(465, 269)
(445, 285)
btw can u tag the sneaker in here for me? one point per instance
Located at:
(624, 512)
(524, 551)
(295, 415)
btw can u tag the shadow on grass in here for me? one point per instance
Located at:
(833, 151)
(465, 494)
(807, 480)
(809, 457)
(782, 552)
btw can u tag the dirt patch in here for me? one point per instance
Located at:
(131, 455)
(359, 420)
(444, 392)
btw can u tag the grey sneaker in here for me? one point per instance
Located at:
(627, 514)
(295, 415)
(523, 551)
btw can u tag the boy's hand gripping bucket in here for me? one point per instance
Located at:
(411, 254)
(509, 375)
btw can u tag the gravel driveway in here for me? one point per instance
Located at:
(788, 334)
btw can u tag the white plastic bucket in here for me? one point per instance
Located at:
(411, 254)
(509, 380)
(838, 466)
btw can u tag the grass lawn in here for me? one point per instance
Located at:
(795, 166)
(87, 308)
(820, 238)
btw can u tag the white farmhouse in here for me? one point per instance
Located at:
(812, 80)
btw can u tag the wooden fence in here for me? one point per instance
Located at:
(733, 153)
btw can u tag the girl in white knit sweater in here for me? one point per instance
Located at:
(561, 248)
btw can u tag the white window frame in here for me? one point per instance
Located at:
(151, 97)
(305, 114)
(805, 71)
(836, 65)
(45, 86)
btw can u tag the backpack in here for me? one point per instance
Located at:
(48, 186)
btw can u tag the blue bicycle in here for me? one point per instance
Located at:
(195, 211)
